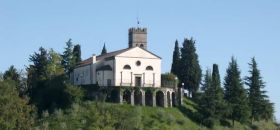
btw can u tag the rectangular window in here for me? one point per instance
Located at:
(109, 82)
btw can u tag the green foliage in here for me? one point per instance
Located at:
(49, 90)
(12, 74)
(212, 104)
(75, 93)
(77, 53)
(38, 71)
(168, 77)
(104, 50)
(235, 94)
(190, 71)
(15, 113)
(68, 61)
(259, 103)
(1, 76)
(175, 67)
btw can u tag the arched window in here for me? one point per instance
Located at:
(127, 67)
(141, 45)
(149, 68)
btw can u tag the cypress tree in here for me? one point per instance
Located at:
(258, 100)
(235, 94)
(212, 103)
(190, 71)
(220, 108)
(104, 50)
(77, 53)
(175, 68)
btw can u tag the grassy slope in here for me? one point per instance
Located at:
(179, 118)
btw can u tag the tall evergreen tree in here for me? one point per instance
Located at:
(257, 96)
(175, 69)
(190, 73)
(104, 50)
(207, 81)
(38, 71)
(67, 58)
(77, 53)
(235, 94)
(212, 103)
(219, 106)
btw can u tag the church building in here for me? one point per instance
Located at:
(133, 67)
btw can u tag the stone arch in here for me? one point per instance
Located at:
(127, 96)
(168, 99)
(173, 99)
(138, 97)
(160, 98)
(149, 98)
(114, 96)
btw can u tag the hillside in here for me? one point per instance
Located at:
(93, 115)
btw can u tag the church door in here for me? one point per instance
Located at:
(138, 81)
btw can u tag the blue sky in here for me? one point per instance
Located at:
(222, 29)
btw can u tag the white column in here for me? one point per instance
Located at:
(121, 79)
(153, 79)
(143, 79)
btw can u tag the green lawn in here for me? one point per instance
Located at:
(179, 118)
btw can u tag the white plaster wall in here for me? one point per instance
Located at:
(88, 75)
(130, 58)
(82, 75)
(103, 76)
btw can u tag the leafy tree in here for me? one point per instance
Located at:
(15, 113)
(12, 74)
(104, 50)
(18, 77)
(77, 53)
(175, 69)
(67, 58)
(1, 76)
(258, 100)
(190, 73)
(54, 68)
(235, 94)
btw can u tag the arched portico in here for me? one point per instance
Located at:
(138, 97)
(149, 98)
(160, 98)
(127, 96)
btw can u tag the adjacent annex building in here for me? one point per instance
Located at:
(135, 72)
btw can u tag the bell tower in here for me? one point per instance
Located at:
(137, 37)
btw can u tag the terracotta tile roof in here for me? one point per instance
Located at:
(114, 53)
(101, 57)
(110, 54)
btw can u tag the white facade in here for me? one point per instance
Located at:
(128, 67)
